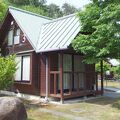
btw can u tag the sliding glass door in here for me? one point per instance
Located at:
(67, 71)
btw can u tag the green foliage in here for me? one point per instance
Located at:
(7, 70)
(106, 66)
(28, 2)
(100, 31)
(3, 8)
(38, 6)
(116, 71)
(34, 9)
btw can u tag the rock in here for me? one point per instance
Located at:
(12, 108)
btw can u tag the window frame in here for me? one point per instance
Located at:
(21, 80)
(16, 35)
(12, 37)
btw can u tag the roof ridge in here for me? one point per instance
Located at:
(60, 18)
(28, 12)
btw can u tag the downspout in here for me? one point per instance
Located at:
(46, 97)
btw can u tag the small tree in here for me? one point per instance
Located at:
(7, 70)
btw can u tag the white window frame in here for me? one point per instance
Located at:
(26, 71)
(10, 37)
(21, 73)
(18, 60)
(17, 36)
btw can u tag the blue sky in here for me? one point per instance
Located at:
(76, 3)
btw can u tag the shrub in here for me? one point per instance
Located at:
(7, 70)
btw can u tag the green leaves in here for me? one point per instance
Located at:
(102, 32)
(7, 70)
(3, 9)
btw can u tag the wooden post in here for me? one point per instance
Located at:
(96, 81)
(55, 91)
(101, 65)
(77, 82)
(47, 89)
(61, 77)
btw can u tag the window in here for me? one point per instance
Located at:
(18, 71)
(26, 68)
(17, 36)
(78, 64)
(67, 62)
(67, 68)
(10, 37)
(23, 68)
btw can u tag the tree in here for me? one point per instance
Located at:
(100, 32)
(34, 9)
(54, 11)
(20, 2)
(68, 9)
(3, 8)
(106, 67)
(28, 2)
(7, 70)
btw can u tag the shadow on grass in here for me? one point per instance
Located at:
(113, 102)
(116, 104)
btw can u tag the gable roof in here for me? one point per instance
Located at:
(58, 34)
(29, 23)
(45, 34)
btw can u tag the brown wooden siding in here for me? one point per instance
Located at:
(22, 46)
(33, 86)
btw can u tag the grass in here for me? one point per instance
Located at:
(102, 108)
(108, 83)
(36, 115)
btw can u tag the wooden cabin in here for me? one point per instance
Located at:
(47, 64)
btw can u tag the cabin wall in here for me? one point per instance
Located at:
(21, 47)
(31, 87)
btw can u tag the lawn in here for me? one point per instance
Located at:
(111, 83)
(102, 108)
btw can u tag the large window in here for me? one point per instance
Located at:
(18, 71)
(10, 37)
(79, 69)
(26, 68)
(67, 68)
(67, 62)
(23, 68)
(79, 66)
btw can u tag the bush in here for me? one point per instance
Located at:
(7, 70)
(116, 71)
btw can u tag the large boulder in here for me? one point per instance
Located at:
(12, 108)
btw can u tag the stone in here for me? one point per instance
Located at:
(12, 108)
